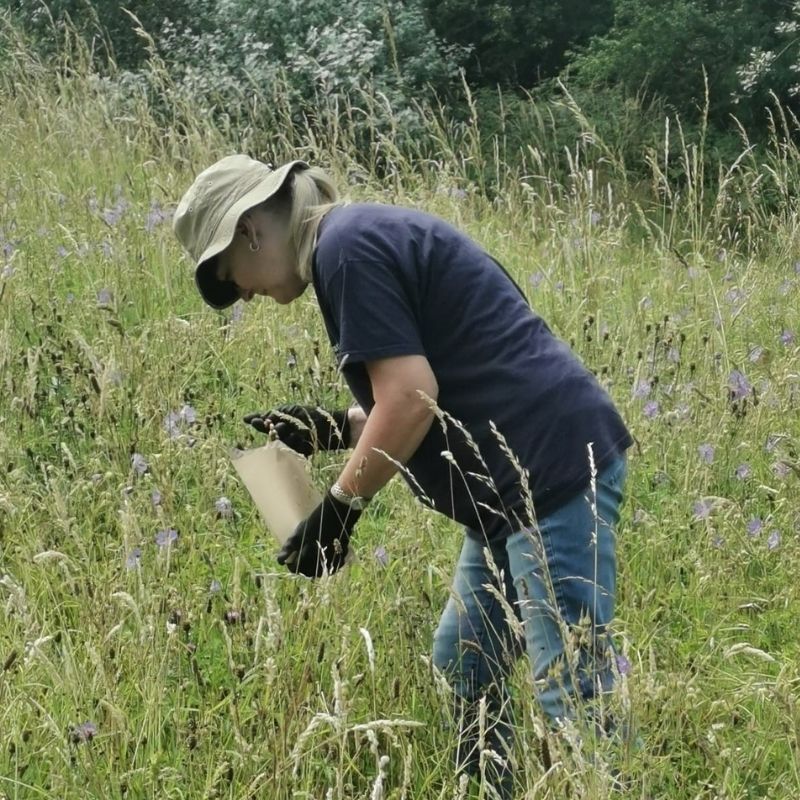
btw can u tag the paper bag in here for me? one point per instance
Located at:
(280, 484)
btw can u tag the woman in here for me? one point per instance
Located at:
(489, 417)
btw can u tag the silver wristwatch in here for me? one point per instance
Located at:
(350, 500)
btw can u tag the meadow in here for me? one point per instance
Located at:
(150, 646)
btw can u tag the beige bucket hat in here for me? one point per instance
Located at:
(206, 217)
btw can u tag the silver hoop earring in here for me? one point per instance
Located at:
(254, 247)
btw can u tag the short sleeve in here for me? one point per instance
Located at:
(373, 309)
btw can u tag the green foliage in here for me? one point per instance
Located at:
(670, 49)
(518, 42)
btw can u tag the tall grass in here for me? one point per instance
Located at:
(135, 662)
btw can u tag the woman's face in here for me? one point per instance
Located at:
(258, 259)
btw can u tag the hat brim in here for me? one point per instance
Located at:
(216, 293)
(221, 294)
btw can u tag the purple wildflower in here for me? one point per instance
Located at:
(381, 556)
(739, 385)
(172, 424)
(623, 665)
(215, 587)
(62, 251)
(702, 508)
(743, 472)
(8, 249)
(155, 498)
(754, 527)
(166, 537)
(188, 415)
(105, 298)
(641, 390)
(787, 338)
(82, 733)
(773, 540)
(133, 558)
(224, 508)
(155, 216)
(651, 409)
(706, 453)
(140, 466)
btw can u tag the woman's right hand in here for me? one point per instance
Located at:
(305, 429)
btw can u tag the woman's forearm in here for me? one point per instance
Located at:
(390, 435)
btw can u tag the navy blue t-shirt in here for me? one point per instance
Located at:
(394, 281)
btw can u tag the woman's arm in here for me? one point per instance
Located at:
(396, 425)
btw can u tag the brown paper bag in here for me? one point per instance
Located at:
(280, 484)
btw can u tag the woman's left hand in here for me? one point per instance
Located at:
(320, 543)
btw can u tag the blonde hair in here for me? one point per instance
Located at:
(303, 201)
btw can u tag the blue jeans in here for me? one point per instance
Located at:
(551, 594)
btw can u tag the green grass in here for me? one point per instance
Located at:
(209, 672)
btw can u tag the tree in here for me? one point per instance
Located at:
(516, 43)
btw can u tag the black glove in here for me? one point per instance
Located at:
(304, 428)
(324, 534)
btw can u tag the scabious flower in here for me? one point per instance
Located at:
(188, 415)
(651, 409)
(702, 508)
(166, 537)
(381, 556)
(623, 665)
(706, 453)
(224, 508)
(156, 216)
(82, 733)
(787, 338)
(133, 558)
(773, 540)
(754, 527)
(155, 498)
(172, 424)
(739, 385)
(139, 464)
(105, 298)
(743, 471)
